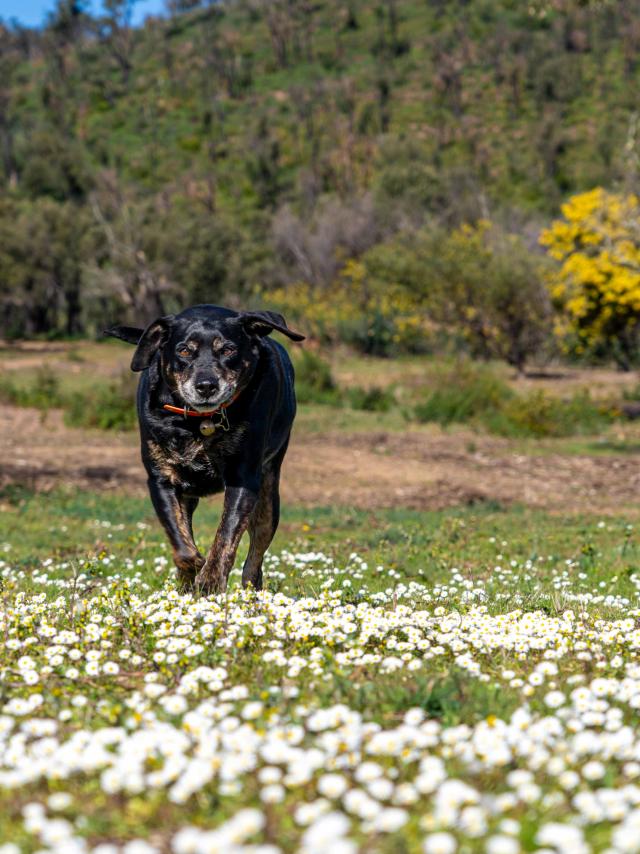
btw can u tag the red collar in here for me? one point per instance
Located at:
(193, 413)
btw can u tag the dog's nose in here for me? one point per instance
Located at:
(206, 387)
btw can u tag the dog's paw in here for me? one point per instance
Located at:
(207, 582)
(185, 580)
(188, 562)
(252, 578)
(187, 565)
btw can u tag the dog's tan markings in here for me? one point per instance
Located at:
(169, 461)
(186, 556)
(262, 526)
(188, 562)
(162, 461)
(213, 576)
(170, 375)
(181, 522)
(155, 452)
(188, 453)
(218, 344)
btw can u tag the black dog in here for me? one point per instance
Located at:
(215, 405)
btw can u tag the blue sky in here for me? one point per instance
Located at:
(31, 13)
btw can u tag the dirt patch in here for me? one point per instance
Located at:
(62, 358)
(40, 452)
(432, 472)
(410, 469)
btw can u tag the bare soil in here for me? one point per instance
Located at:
(418, 469)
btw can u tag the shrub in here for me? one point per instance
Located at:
(373, 334)
(540, 415)
(474, 394)
(463, 393)
(108, 406)
(42, 392)
(314, 380)
(315, 384)
(597, 285)
(373, 399)
(482, 283)
(375, 317)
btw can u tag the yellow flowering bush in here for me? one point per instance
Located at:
(356, 309)
(597, 286)
(477, 286)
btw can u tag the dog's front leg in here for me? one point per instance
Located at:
(174, 512)
(238, 506)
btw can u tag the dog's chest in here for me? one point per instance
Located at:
(196, 461)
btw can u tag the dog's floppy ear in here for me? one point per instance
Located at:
(130, 334)
(263, 322)
(152, 339)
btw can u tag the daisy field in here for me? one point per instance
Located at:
(464, 681)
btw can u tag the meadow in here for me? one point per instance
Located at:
(426, 678)
(444, 657)
(408, 681)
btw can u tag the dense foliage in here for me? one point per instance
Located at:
(225, 152)
(598, 284)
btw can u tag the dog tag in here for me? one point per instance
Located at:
(207, 427)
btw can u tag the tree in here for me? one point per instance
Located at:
(8, 63)
(115, 30)
(597, 285)
(44, 246)
(314, 248)
(263, 164)
(130, 273)
(66, 25)
(479, 282)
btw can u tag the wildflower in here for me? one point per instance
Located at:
(272, 794)
(332, 785)
(502, 845)
(440, 843)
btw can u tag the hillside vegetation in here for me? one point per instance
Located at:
(276, 151)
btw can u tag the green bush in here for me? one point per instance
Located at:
(373, 399)
(315, 384)
(464, 393)
(314, 380)
(474, 394)
(478, 283)
(540, 415)
(42, 392)
(372, 334)
(108, 406)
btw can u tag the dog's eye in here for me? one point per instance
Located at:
(185, 352)
(228, 351)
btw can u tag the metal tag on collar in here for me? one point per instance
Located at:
(207, 427)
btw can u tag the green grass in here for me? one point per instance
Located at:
(111, 559)
(82, 527)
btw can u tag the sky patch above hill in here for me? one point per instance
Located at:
(33, 13)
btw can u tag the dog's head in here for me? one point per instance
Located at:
(206, 354)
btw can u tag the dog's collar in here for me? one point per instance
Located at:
(193, 413)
